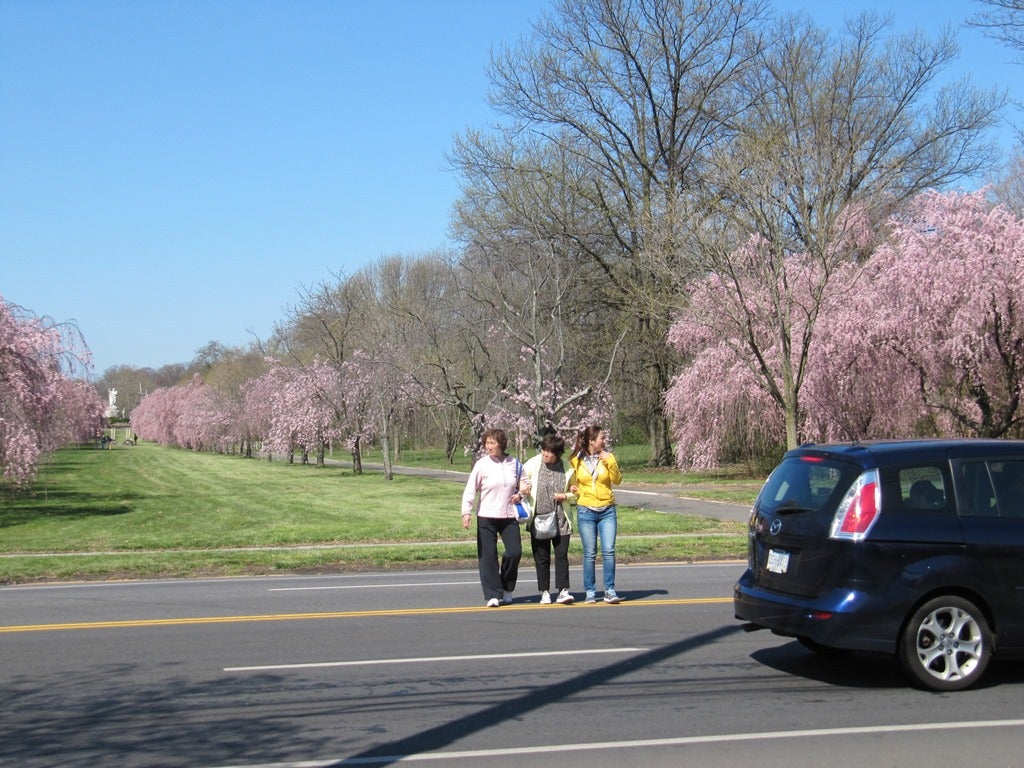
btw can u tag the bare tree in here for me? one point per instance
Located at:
(444, 337)
(329, 321)
(1008, 187)
(635, 93)
(1003, 21)
(522, 268)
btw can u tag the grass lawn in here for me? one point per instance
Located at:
(149, 511)
(737, 484)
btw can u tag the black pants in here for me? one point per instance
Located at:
(542, 559)
(496, 579)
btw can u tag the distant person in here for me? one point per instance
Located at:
(546, 482)
(595, 471)
(493, 488)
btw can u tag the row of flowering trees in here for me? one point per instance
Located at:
(920, 334)
(288, 409)
(924, 337)
(43, 407)
(306, 409)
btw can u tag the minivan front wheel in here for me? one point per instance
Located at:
(946, 645)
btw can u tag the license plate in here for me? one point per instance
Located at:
(778, 561)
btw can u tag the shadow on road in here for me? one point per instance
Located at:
(444, 735)
(857, 670)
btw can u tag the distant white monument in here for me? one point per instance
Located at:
(112, 409)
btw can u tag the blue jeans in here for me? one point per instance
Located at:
(594, 523)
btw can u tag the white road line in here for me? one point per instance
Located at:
(375, 586)
(597, 746)
(428, 659)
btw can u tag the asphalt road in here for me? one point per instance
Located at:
(377, 669)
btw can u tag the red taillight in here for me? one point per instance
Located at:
(858, 510)
(861, 512)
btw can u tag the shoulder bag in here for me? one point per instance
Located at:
(545, 526)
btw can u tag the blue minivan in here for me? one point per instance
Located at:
(913, 548)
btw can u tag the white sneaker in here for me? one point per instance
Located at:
(493, 602)
(611, 597)
(565, 597)
(545, 598)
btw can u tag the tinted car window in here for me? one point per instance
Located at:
(922, 488)
(806, 482)
(1008, 479)
(979, 497)
(993, 488)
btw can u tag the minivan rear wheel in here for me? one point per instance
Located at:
(946, 645)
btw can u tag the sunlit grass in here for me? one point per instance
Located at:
(150, 511)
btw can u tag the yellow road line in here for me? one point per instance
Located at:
(185, 621)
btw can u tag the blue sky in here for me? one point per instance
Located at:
(174, 172)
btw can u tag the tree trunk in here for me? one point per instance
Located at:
(385, 445)
(792, 436)
(660, 440)
(357, 458)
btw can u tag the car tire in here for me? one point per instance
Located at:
(946, 645)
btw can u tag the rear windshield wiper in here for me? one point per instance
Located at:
(789, 507)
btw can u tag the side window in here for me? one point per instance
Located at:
(979, 498)
(1008, 480)
(922, 488)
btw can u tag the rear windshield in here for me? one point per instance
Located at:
(807, 483)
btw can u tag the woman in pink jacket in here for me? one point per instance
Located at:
(493, 487)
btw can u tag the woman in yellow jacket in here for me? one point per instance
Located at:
(595, 471)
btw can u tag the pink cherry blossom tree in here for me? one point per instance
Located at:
(926, 339)
(859, 389)
(949, 303)
(42, 407)
(155, 416)
(206, 419)
(539, 399)
(378, 394)
(257, 411)
(718, 406)
(194, 416)
(748, 332)
(304, 409)
(78, 415)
